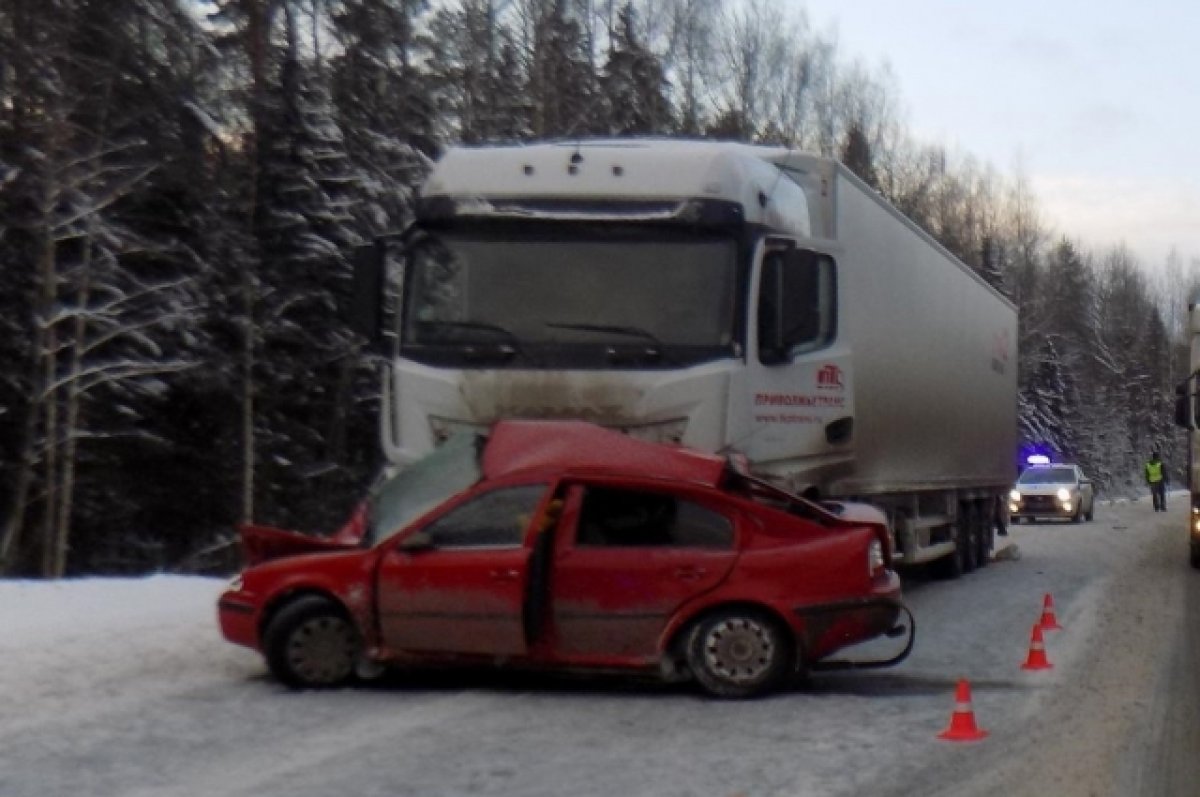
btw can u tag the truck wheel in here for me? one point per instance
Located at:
(311, 643)
(968, 536)
(985, 524)
(739, 653)
(950, 567)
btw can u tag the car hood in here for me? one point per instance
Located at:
(264, 543)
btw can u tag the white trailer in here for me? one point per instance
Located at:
(749, 300)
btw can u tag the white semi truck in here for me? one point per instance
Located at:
(748, 300)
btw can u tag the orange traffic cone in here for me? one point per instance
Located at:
(1048, 621)
(1037, 652)
(962, 726)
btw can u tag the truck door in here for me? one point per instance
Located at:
(461, 587)
(801, 397)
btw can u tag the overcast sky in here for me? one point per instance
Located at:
(1099, 100)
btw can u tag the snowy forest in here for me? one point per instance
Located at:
(182, 184)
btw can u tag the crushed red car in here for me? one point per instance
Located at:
(559, 544)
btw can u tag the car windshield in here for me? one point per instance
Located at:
(421, 486)
(536, 301)
(1047, 476)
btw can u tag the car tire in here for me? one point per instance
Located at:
(1195, 556)
(1078, 516)
(1091, 513)
(739, 653)
(311, 644)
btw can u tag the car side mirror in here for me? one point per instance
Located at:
(416, 542)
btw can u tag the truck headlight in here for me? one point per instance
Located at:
(1014, 496)
(1064, 494)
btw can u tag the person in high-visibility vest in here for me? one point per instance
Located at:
(1156, 478)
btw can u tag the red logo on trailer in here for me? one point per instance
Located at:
(830, 378)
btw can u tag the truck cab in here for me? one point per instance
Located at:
(741, 300)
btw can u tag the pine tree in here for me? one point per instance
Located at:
(633, 84)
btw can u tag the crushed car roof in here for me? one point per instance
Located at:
(575, 445)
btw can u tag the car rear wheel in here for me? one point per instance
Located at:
(311, 643)
(1091, 512)
(739, 653)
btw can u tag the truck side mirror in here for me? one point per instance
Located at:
(364, 312)
(1182, 415)
(771, 349)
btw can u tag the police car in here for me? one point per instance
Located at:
(1051, 490)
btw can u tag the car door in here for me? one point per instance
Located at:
(626, 560)
(457, 584)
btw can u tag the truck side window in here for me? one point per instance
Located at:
(796, 304)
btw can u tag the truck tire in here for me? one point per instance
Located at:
(968, 536)
(985, 522)
(312, 644)
(950, 567)
(739, 653)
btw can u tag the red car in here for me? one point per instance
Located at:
(566, 545)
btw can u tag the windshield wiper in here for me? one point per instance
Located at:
(634, 332)
(655, 351)
(507, 350)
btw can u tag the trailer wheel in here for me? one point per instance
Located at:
(950, 567)
(968, 536)
(985, 525)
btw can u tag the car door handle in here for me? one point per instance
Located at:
(505, 574)
(690, 573)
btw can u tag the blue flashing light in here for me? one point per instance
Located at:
(1037, 459)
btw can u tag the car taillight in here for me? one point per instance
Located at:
(875, 561)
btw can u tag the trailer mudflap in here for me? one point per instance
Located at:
(811, 613)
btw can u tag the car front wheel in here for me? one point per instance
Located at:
(738, 653)
(311, 643)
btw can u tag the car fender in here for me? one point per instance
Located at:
(349, 586)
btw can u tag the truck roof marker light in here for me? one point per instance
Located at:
(1037, 459)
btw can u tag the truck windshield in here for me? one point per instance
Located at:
(401, 499)
(586, 301)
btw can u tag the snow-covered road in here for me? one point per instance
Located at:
(124, 687)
